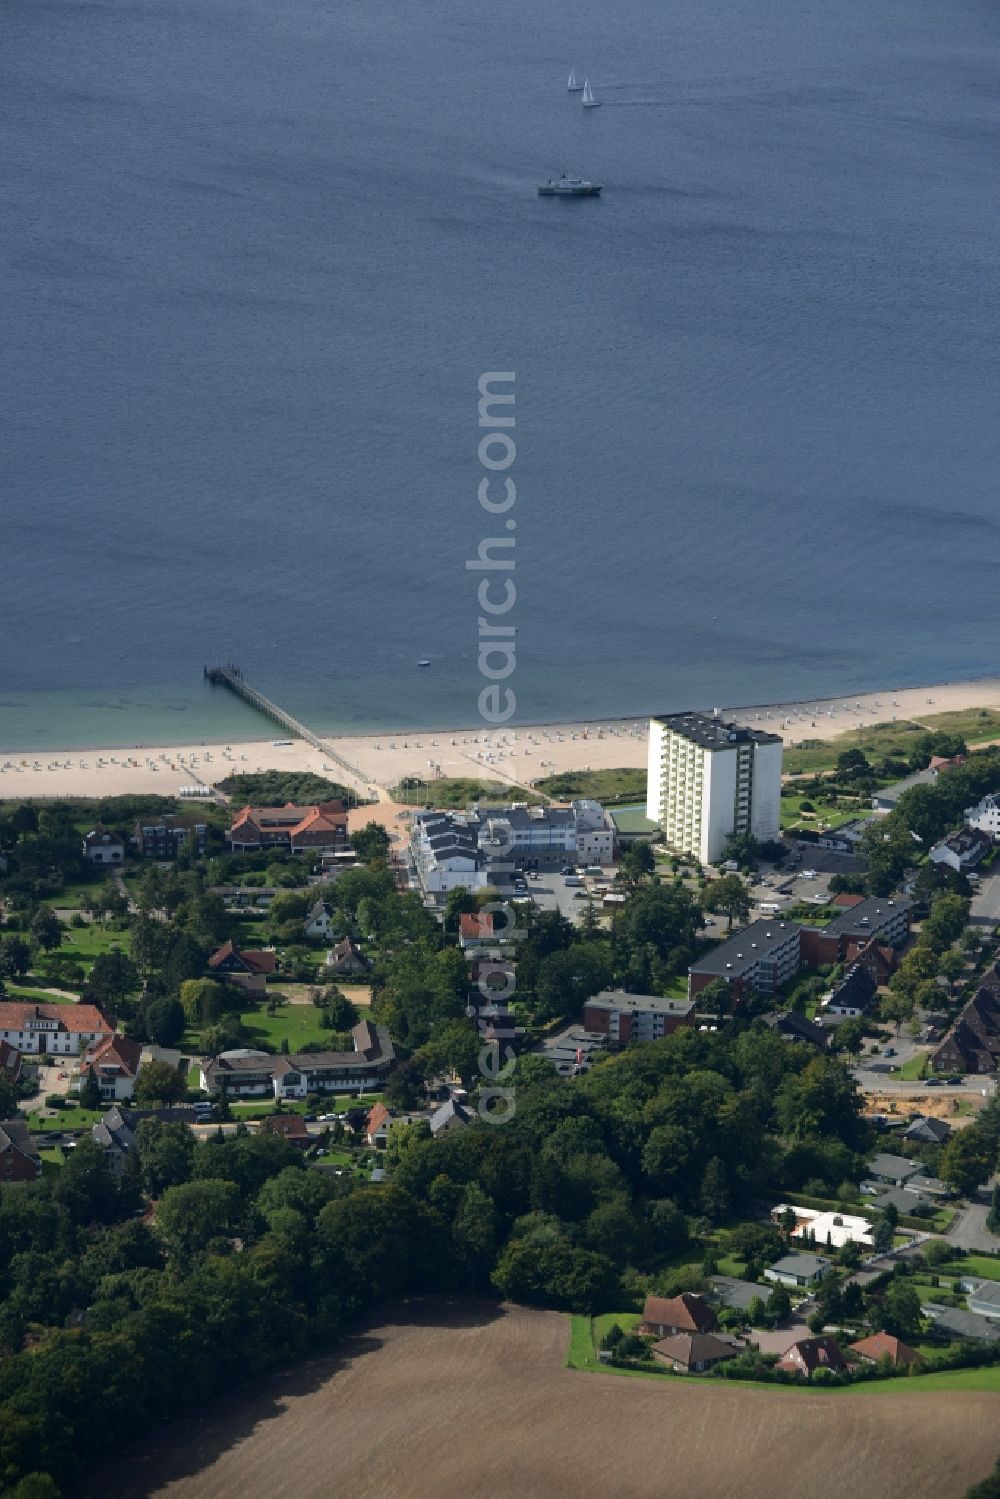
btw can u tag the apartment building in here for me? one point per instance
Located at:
(860, 921)
(708, 778)
(452, 849)
(635, 1017)
(756, 960)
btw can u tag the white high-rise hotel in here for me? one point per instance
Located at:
(709, 778)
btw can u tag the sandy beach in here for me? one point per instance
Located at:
(519, 756)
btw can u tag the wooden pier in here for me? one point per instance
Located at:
(232, 677)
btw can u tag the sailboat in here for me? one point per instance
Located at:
(588, 101)
(572, 86)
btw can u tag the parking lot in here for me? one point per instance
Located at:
(550, 892)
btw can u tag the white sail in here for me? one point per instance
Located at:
(572, 85)
(588, 96)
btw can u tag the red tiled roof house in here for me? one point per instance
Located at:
(665, 1317)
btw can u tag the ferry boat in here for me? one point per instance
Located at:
(568, 187)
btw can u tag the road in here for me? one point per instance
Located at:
(986, 902)
(884, 1082)
(969, 1231)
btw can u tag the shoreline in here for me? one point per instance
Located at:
(519, 754)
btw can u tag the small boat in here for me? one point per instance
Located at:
(569, 187)
(424, 661)
(572, 86)
(588, 100)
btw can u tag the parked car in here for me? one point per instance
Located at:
(932, 1082)
(956, 1082)
(890, 1051)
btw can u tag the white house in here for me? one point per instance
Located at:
(962, 850)
(444, 852)
(985, 816)
(318, 920)
(832, 1230)
(101, 846)
(56, 1030)
(116, 1062)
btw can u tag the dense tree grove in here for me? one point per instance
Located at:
(254, 1258)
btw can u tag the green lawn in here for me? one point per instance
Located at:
(335, 1103)
(972, 1265)
(600, 785)
(73, 1119)
(85, 942)
(913, 1069)
(296, 1024)
(823, 817)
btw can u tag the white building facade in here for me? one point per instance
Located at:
(708, 778)
(985, 816)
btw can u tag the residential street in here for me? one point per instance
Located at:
(969, 1229)
(986, 902)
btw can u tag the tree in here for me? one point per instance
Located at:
(901, 1310)
(849, 1036)
(371, 843)
(190, 1216)
(164, 1020)
(967, 1160)
(453, 1047)
(757, 1311)
(988, 1488)
(90, 1091)
(113, 977)
(203, 1000)
(458, 902)
(36, 1486)
(15, 957)
(474, 1232)
(166, 1153)
(993, 1216)
(882, 1236)
(85, 1186)
(46, 928)
(951, 967)
(852, 761)
(637, 863)
(715, 1195)
(730, 897)
(8, 1097)
(567, 979)
(779, 1305)
(715, 998)
(159, 1083)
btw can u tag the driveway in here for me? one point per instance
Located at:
(49, 1081)
(780, 1339)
